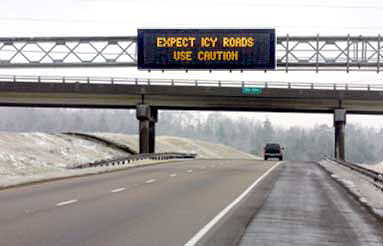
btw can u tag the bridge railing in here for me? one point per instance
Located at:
(301, 53)
(190, 82)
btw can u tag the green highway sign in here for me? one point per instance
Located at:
(251, 90)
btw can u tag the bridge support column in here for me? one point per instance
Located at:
(339, 124)
(152, 129)
(147, 116)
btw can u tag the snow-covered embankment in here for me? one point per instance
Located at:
(32, 157)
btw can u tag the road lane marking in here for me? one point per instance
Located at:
(150, 181)
(173, 175)
(118, 190)
(197, 237)
(189, 171)
(66, 203)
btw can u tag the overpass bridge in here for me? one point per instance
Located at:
(301, 53)
(148, 96)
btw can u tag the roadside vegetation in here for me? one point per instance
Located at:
(363, 145)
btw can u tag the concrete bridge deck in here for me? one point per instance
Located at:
(208, 95)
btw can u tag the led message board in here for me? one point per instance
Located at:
(206, 49)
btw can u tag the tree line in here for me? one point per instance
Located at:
(363, 145)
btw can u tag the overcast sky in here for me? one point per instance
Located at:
(123, 17)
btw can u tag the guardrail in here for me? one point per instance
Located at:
(190, 82)
(375, 177)
(133, 158)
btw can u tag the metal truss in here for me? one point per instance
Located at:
(343, 53)
(67, 51)
(314, 53)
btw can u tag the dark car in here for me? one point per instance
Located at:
(273, 151)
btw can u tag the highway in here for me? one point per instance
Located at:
(307, 207)
(195, 202)
(164, 204)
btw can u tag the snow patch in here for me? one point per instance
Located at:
(30, 157)
(362, 188)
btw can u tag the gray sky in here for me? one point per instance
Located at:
(119, 17)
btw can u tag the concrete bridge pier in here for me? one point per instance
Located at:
(147, 115)
(339, 124)
(152, 129)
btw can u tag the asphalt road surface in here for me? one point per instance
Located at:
(166, 204)
(307, 207)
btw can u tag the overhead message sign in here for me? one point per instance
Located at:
(206, 49)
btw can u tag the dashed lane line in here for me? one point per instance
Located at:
(150, 181)
(118, 189)
(66, 203)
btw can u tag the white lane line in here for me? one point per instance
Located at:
(150, 181)
(189, 171)
(118, 189)
(173, 175)
(66, 203)
(197, 237)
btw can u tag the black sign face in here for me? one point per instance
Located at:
(206, 49)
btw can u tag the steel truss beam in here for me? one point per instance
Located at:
(311, 53)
